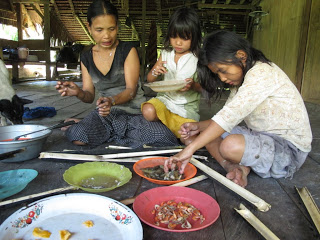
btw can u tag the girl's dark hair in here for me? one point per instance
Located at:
(221, 47)
(101, 7)
(184, 23)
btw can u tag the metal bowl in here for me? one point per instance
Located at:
(26, 149)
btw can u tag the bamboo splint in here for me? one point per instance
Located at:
(179, 184)
(256, 223)
(258, 202)
(310, 205)
(37, 195)
(105, 157)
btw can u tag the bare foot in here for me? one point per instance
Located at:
(239, 175)
(69, 119)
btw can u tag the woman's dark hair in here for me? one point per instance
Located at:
(184, 23)
(221, 47)
(101, 7)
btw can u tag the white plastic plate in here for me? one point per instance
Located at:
(111, 219)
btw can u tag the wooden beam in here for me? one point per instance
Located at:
(224, 6)
(47, 39)
(143, 40)
(30, 1)
(37, 11)
(12, 7)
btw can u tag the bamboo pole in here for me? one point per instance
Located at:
(258, 202)
(256, 223)
(37, 195)
(310, 205)
(70, 156)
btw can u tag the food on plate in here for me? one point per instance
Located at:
(88, 223)
(64, 234)
(173, 214)
(157, 172)
(38, 232)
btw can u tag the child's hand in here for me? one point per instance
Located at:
(189, 129)
(104, 106)
(188, 86)
(67, 88)
(159, 69)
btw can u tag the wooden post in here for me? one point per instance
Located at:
(47, 39)
(143, 41)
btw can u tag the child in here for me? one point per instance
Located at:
(177, 62)
(277, 138)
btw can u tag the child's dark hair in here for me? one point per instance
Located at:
(184, 23)
(101, 7)
(221, 47)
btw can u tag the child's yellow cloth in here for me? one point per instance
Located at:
(171, 120)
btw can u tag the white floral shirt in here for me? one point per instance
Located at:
(268, 102)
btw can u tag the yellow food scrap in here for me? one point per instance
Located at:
(38, 232)
(88, 223)
(64, 234)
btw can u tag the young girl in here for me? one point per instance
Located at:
(277, 136)
(111, 67)
(178, 61)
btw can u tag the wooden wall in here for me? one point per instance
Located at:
(311, 73)
(286, 39)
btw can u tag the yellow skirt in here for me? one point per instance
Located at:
(171, 120)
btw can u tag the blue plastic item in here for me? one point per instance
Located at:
(14, 181)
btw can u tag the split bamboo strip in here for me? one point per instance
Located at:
(70, 156)
(258, 202)
(310, 205)
(37, 195)
(256, 223)
(179, 184)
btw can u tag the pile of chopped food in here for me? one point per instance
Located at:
(174, 214)
(158, 173)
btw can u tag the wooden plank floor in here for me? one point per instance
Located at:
(288, 218)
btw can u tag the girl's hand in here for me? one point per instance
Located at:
(184, 157)
(189, 129)
(67, 88)
(159, 69)
(188, 86)
(104, 106)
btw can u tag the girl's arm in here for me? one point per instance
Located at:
(212, 132)
(157, 70)
(131, 75)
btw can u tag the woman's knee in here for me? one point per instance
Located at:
(149, 112)
(232, 147)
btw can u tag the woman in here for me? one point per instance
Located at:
(112, 67)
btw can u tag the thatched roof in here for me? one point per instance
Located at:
(68, 17)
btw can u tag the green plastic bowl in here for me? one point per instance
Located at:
(97, 176)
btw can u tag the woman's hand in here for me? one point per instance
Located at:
(184, 157)
(188, 86)
(67, 88)
(189, 129)
(104, 106)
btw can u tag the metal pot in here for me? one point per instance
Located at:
(22, 150)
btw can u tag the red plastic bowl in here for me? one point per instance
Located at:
(145, 202)
(189, 172)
